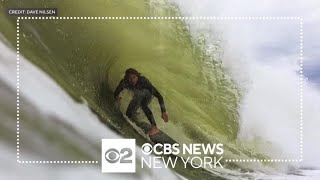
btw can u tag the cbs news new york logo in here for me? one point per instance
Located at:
(118, 155)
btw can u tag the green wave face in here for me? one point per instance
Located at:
(88, 59)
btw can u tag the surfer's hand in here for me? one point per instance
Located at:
(165, 116)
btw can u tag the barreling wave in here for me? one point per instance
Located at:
(87, 58)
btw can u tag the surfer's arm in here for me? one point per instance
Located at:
(119, 88)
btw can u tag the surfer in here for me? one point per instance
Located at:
(143, 93)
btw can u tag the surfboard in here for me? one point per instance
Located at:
(143, 127)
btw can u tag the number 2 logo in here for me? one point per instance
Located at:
(113, 155)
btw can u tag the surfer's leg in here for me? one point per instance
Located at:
(149, 114)
(154, 130)
(144, 106)
(134, 104)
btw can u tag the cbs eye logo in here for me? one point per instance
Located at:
(113, 155)
(118, 155)
(147, 148)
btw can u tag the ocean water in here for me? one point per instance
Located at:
(69, 68)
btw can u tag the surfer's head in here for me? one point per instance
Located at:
(132, 76)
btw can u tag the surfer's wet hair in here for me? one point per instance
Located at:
(131, 71)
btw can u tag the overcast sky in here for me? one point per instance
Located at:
(283, 37)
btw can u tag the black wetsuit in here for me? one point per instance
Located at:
(143, 92)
